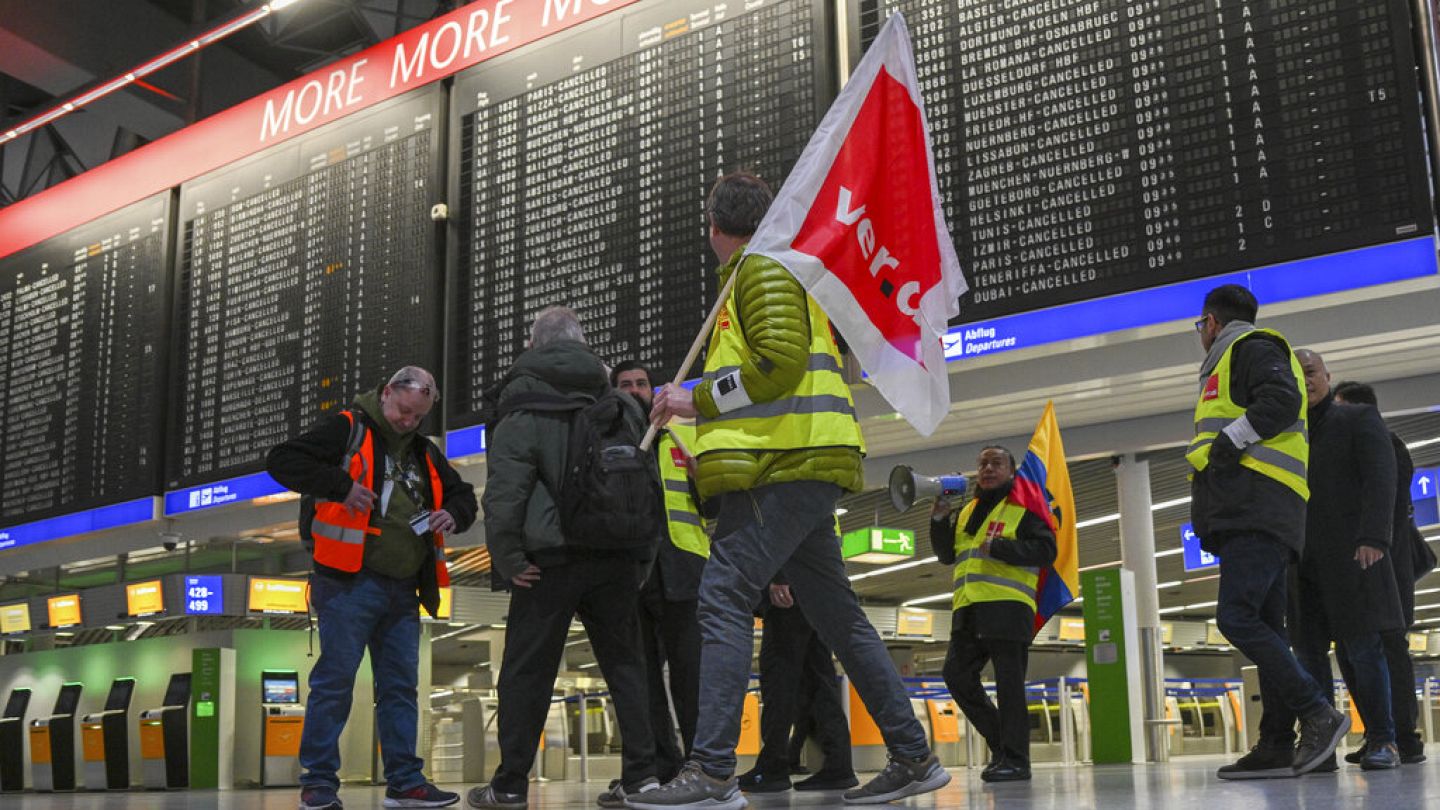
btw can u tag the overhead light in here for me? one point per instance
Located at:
(276, 5)
(115, 627)
(840, 510)
(1175, 609)
(925, 599)
(1171, 584)
(1423, 443)
(1199, 605)
(1419, 608)
(1111, 518)
(589, 665)
(1171, 552)
(893, 568)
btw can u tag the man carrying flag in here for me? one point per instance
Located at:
(777, 441)
(1003, 547)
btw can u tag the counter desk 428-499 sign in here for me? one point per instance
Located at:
(1092, 147)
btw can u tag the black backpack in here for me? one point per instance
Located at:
(609, 496)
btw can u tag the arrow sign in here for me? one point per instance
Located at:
(1423, 495)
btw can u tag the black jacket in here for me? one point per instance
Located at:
(1352, 504)
(1402, 531)
(310, 465)
(1229, 500)
(1033, 546)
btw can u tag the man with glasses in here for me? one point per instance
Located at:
(1249, 489)
(379, 500)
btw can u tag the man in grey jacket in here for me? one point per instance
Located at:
(554, 577)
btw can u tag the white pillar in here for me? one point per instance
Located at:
(1137, 555)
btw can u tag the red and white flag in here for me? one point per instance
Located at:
(859, 223)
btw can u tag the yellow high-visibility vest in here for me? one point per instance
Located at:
(1283, 457)
(980, 578)
(682, 516)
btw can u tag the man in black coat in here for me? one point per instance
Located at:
(1403, 706)
(1248, 508)
(1346, 586)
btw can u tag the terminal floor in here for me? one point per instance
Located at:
(1187, 782)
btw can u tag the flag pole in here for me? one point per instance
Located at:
(695, 347)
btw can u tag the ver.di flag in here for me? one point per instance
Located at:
(859, 224)
(1042, 486)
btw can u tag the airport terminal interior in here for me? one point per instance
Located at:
(223, 219)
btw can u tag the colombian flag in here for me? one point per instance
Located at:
(1042, 486)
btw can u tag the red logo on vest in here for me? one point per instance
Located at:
(677, 457)
(1212, 388)
(995, 530)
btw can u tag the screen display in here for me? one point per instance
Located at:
(205, 595)
(144, 598)
(64, 610)
(278, 595)
(280, 687)
(15, 618)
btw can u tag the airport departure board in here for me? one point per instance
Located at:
(307, 273)
(82, 346)
(1090, 147)
(583, 164)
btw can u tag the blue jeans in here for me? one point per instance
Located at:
(1251, 614)
(382, 614)
(1367, 673)
(789, 526)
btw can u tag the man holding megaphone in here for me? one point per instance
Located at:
(998, 548)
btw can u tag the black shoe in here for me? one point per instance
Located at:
(902, 777)
(1412, 757)
(1320, 732)
(1358, 754)
(487, 797)
(798, 770)
(1327, 765)
(1006, 771)
(753, 781)
(1263, 762)
(828, 780)
(1381, 758)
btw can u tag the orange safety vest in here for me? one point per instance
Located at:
(339, 533)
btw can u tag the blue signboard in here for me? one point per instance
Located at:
(1196, 558)
(465, 442)
(220, 493)
(1423, 495)
(91, 520)
(205, 595)
(1319, 275)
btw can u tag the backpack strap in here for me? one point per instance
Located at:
(352, 445)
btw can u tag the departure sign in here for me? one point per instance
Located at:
(583, 166)
(15, 618)
(205, 595)
(82, 346)
(278, 595)
(1091, 147)
(308, 273)
(64, 611)
(144, 598)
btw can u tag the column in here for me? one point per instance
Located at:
(1137, 554)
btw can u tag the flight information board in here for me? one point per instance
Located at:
(82, 346)
(584, 162)
(306, 273)
(1091, 147)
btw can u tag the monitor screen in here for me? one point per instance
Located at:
(285, 596)
(205, 595)
(15, 618)
(18, 702)
(120, 692)
(279, 687)
(68, 700)
(177, 692)
(64, 610)
(144, 598)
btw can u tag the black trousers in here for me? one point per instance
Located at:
(604, 592)
(1404, 708)
(794, 662)
(671, 635)
(1006, 729)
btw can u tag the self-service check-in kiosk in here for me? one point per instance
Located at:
(105, 740)
(52, 743)
(12, 741)
(283, 718)
(165, 738)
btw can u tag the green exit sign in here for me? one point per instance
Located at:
(878, 545)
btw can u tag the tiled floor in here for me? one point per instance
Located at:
(1188, 782)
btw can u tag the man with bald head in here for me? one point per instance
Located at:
(1346, 587)
(379, 500)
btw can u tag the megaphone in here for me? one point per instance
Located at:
(906, 487)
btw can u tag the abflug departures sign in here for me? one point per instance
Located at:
(582, 164)
(82, 348)
(307, 272)
(1091, 148)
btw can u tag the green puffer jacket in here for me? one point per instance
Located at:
(773, 315)
(528, 448)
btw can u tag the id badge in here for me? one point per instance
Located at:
(420, 523)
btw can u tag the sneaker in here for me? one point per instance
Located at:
(1263, 762)
(901, 778)
(828, 780)
(1320, 732)
(320, 798)
(754, 781)
(1006, 771)
(1381, 758)
(486, 797)
(615, 796)
(1358, 754)
(693, 788)
(1327, 765)
(1412, 757)
(426, 795)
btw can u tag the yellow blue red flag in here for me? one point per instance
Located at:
(1042, 486)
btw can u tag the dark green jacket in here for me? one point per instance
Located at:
(774, 317)
(527, 449)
